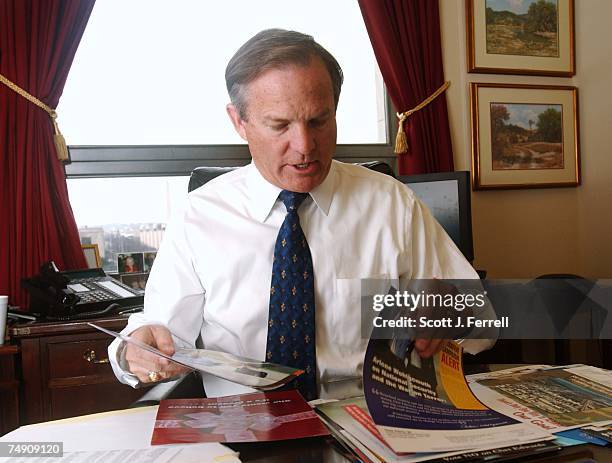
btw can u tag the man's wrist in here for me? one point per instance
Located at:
(127, 376)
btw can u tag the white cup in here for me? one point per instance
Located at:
(3, 311)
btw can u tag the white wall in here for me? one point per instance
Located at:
(526, 233)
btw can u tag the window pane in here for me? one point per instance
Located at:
(151, 72)
(125, 215)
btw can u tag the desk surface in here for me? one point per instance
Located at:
(134, 427)
(35, 329)
(319, 450)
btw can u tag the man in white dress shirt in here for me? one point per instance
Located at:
(212, 273)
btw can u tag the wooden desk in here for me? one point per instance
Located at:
(64, 370)
(319, 450)
(9, 389)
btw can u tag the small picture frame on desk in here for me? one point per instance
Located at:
(149, 258)
(521, 37)
(92, 255)
(135, 280)
(524, 136)
(130, 262)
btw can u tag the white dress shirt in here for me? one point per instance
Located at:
(212, 273)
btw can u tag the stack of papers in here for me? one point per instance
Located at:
(426, 410)
(113, 436)
(352, 425)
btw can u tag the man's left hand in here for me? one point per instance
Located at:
(429, 347)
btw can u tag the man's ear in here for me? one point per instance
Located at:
(234, 116)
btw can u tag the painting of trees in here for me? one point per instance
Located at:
(524, 135)
(549, 125)
(542, 17)
(529, 30)
(517, 144)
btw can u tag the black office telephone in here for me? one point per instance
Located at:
(78, 294)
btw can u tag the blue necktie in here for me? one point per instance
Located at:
(291, 323)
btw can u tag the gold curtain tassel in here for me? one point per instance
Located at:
(58, 139)
(401, 140)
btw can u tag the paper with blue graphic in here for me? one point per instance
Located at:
(425, 405)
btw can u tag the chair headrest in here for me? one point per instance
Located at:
(201, 175)
(378, 166)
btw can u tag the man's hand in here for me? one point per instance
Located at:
(444, 319)
(429, 347)
(147, 366)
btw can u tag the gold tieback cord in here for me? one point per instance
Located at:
(58, 138)
(401, 144)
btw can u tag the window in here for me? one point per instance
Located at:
(125, 215)
(151, 72)
(145, 100)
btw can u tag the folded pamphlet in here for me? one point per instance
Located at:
(256, 417)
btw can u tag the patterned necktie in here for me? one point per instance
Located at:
(291, 323)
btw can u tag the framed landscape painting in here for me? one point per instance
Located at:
(521, 37)
(524, 136)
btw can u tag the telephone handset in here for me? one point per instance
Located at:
(87, 293)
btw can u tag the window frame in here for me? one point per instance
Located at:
(108, 161)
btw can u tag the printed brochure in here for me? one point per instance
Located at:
(425, 405)
(551, 398)
(256, 417)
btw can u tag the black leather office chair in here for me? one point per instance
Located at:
(191, 385)
(201, 175)
(566, 294)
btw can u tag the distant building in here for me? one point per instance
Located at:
(113, 239)
(151, 234)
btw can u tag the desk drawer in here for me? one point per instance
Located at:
(84, 399)
(79, 358)
(61, 373)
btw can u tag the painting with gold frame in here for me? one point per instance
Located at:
(524, 136)
(534, 37)
(92, 255)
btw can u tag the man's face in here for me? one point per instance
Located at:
(290, 125)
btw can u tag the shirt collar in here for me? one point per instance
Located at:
(264, 194)
(323, 194)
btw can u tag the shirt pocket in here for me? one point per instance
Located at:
(355, 285)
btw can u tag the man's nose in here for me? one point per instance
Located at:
(303, 139)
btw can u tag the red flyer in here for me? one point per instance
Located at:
(257, 417)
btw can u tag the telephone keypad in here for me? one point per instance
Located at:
(96, 296)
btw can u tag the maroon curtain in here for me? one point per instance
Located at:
(38, 40)
(405, 35)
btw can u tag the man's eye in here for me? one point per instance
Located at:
(318, 122)
(279, 127)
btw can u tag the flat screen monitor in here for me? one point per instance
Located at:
(447, 195)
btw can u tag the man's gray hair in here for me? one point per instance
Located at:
(275, 49)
